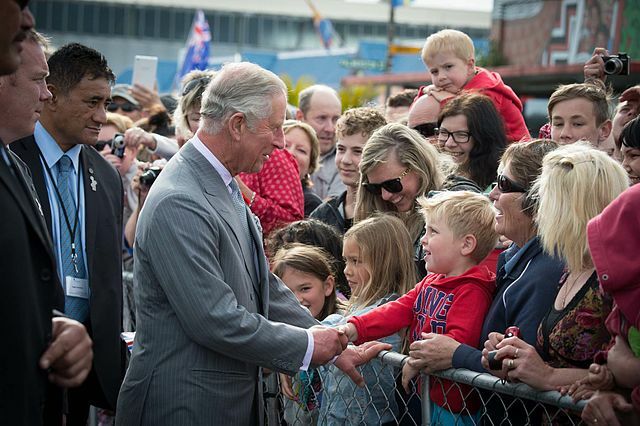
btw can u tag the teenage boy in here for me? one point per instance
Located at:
(452, 300)
(450, 58)
(579, 111)
(353, 129)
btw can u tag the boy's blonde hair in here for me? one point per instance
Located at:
(576, 183)
(309, 260)
(386, 247)
(465, 213)
(453, 41)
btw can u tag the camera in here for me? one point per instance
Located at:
(117, 145)
(616, 64)
(496, 364)
(149, 176)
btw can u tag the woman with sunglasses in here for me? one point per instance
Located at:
(526, 276)
(471, 131)
(576, 183)
(396, 168)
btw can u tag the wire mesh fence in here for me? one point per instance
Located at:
(450, 397)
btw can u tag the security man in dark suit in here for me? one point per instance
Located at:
(81, 199)
(40, 352)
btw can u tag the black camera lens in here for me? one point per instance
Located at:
(148, 177)
(613, 66)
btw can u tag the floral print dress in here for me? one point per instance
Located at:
(569, 338)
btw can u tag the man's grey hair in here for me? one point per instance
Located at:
(239, 87)
(304, 97)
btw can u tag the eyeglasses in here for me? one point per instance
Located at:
(124, 106)
(392, 185)
(458, 137)
(428, 130)
(99, 146)
(506, 185)
(195, 83)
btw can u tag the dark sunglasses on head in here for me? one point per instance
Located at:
(195, 83)
(506, 185)
(392, 185)
(428, 130)
(124, 106)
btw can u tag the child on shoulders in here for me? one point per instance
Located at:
(450, 58)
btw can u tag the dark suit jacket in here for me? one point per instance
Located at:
(103, 230)
(30, 290)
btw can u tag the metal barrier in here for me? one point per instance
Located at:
(486, 400)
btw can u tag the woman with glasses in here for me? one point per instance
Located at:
(471, 131)
(396, 168)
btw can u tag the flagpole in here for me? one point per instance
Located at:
(390, 35)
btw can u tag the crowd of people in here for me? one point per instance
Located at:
(270, 239)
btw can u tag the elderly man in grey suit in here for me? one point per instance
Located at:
(210, 312)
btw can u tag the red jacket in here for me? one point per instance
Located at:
(454, 306)
(506, 101)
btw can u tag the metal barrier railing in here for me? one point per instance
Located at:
(496, 402)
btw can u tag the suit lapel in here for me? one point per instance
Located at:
(91, 203)
(26, 198)
(220, 199)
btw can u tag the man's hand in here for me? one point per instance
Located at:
(327, 343)
(408, 373)
(135, 136)
(69, 355)
(354, 356)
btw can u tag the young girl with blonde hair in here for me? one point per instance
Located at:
(379, 268)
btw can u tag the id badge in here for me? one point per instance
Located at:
(77, 287)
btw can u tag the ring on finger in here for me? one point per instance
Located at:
(510, 364)
(595, 421)
(515, 355)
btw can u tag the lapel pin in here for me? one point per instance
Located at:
(94, 183)
(39, 206)
(90, 171)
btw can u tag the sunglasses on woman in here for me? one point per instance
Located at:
(196, 83)
(506, 185)
(124, 106)
(392, 185)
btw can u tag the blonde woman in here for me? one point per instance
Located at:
(396, 168)
(576, 183)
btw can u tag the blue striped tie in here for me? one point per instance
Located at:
(75, 307)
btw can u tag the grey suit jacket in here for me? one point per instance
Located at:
(202, 311)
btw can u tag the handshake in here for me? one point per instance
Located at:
(331, 343)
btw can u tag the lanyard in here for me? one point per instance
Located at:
(67, 221)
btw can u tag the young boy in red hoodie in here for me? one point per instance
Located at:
(452, 300)
(450, 58)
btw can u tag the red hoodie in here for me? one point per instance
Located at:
(614, 241)
(454, 306)
(506, 101)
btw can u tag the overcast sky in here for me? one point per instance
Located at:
(479, 5)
